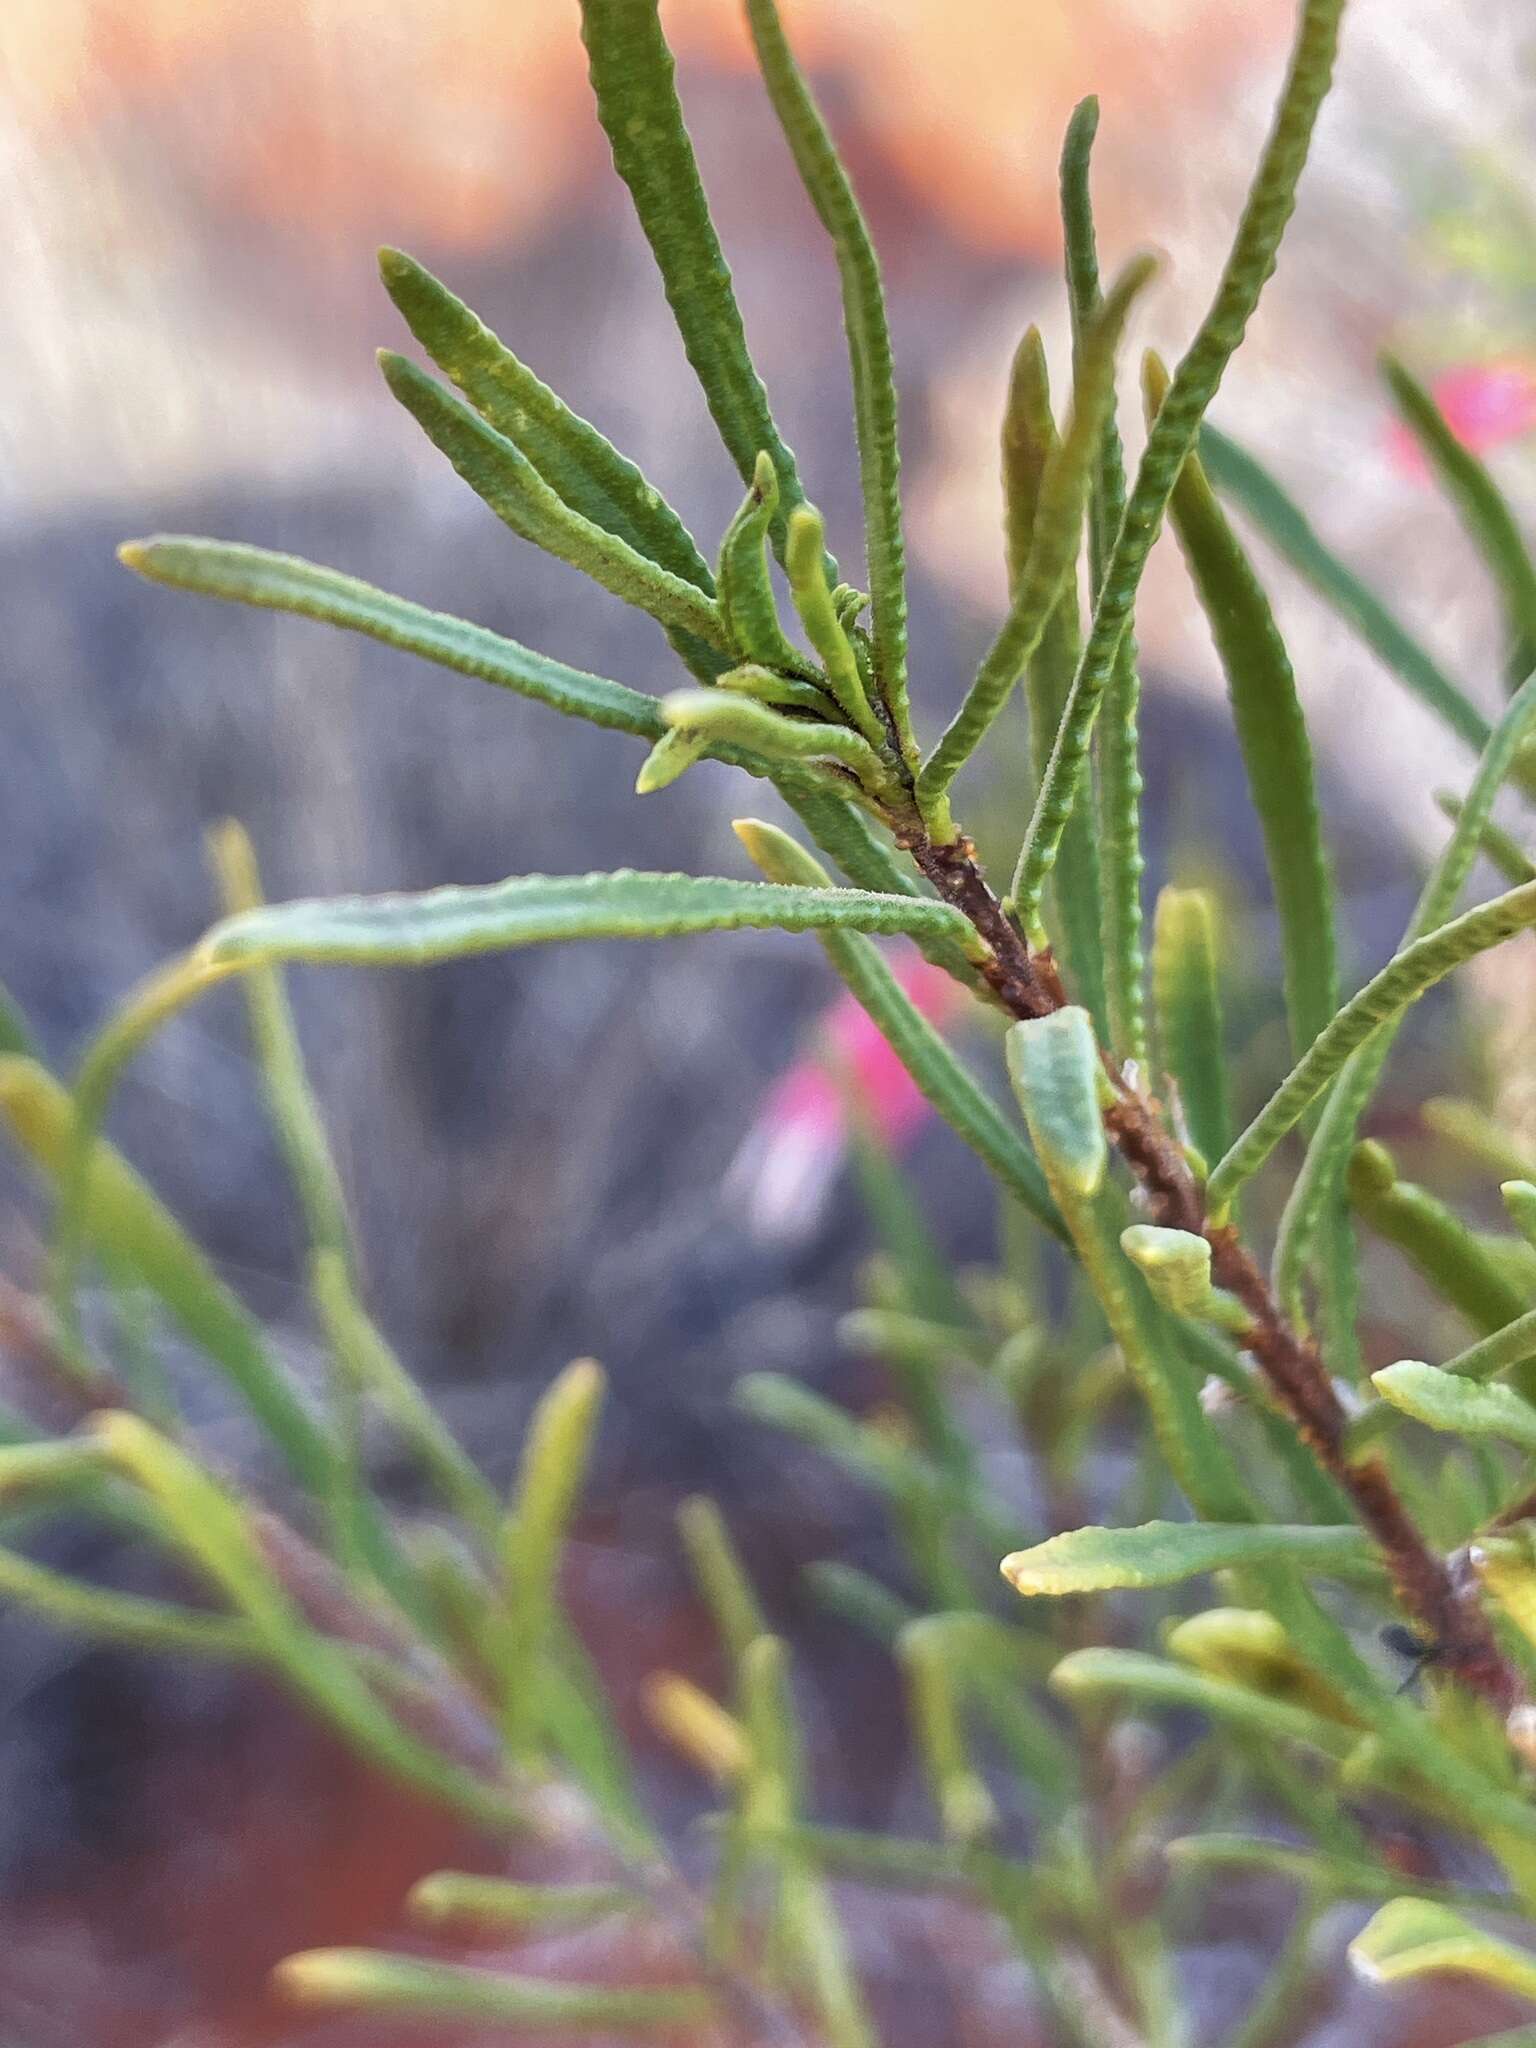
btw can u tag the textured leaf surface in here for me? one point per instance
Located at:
(284, 583)
(1096, 1560)
(1444, 1400)
(533, 909)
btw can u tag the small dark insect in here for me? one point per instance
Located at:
(1418, 1651)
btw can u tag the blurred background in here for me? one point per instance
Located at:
(586, 1153)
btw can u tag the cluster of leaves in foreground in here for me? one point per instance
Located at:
(1322, 1504)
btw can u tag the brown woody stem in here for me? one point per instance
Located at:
(1443, 1606)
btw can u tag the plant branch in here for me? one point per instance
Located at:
(1027, 984)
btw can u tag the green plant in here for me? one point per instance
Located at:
(1122, 1156)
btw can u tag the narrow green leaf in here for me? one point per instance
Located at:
(498, 472)
(1323, 1167)
(128, 1220)
(1056, 1079)
(1250, 1647)
(1176, 1265)
(721, 1576)
(127, 1618)
(1420, 1938)
(550, 1473)
(216, 1533)
(673, 755)
(1520, 1203)
(1382, 1001)
(1054, 540)
(1499, 846)
(295, 1113)
(1053, 1063)
(360, 1980)
(284, 583)
(1166, 1553)
(374, 1370)
(1268, 208)
(1119, 780)
(959, 1791)
(1153, 1681)
(1074, 909)
(1484, 512)
(1454, 1262)
(944, 1081)
(1272, 734)
(869, 348)
(1338, 1876)
(454, 1897)
(572, 457)
(783, 693)
(747, 602)
(632, 77)
(533, 909)
(1442, 1400)
(1187, 1005)
(1238, 476)
(811, 588)
(742, 722)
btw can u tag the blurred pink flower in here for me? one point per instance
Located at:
(789, 1159)
(1485, 404)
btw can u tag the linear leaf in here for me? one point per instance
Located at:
(632, 77)
(1029, 439)
(578, 462)
(1055, 1079)
(1153, 1681)
(1238, 476)
(1442, 1400)
(1119, 779)
(455, 1897)
(1484, 512)
(1385, 996)
(1497, 845)
(362, 1980)
(1456, 1263)
(215, 1531)
(498, 472)
(533, 909)
(747, 601)
(869, 348)
(1271, 198)
(811, 588)
(1322, 1169)
(1312, 1869)
(1420, 1938)
(128, 1219)
(550, 1473)
(1187, 1006)
(1165, 1553)
(1053, 1063)
(284, 583)
(741, 721)
(945, 1082)
(583, 467)
(1272, 734)
(1053, 544)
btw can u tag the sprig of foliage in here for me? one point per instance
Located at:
(447, 1659)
